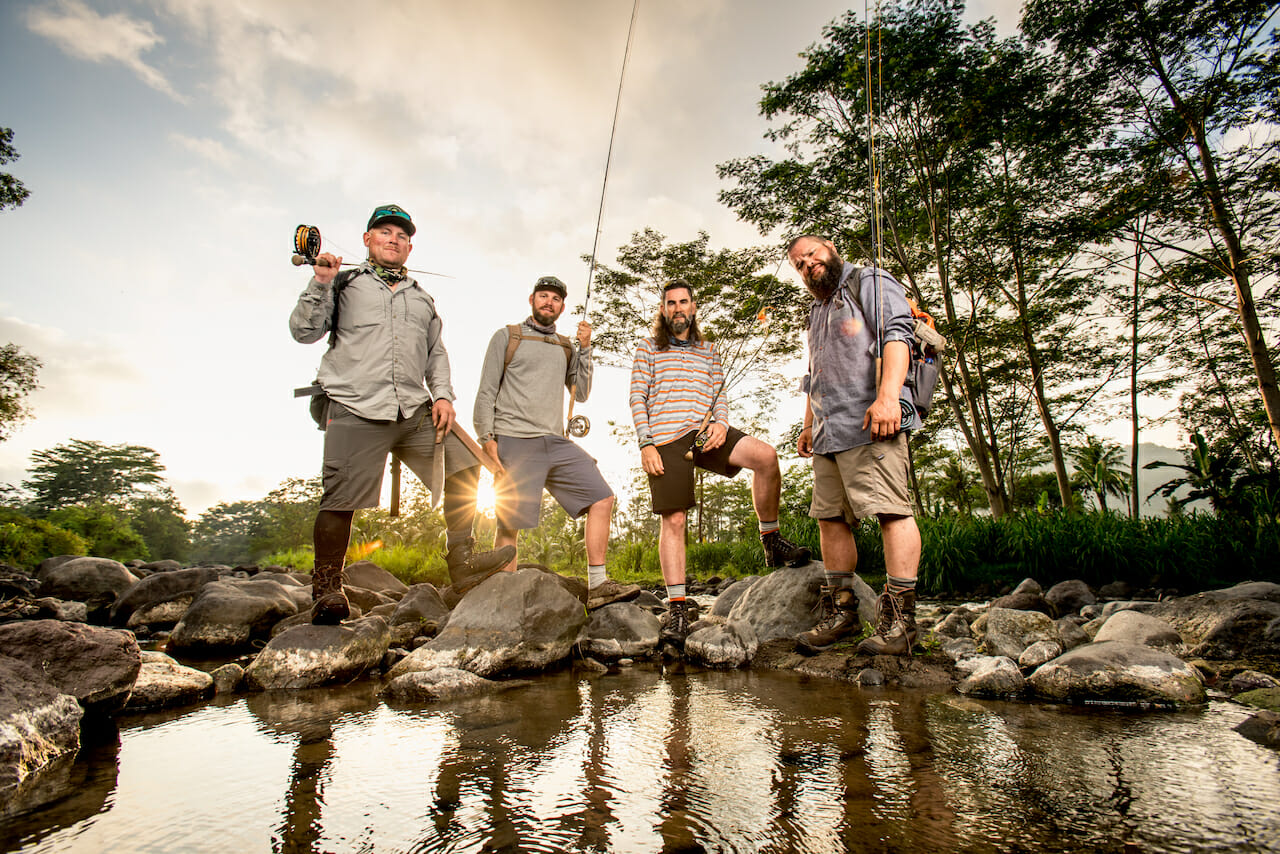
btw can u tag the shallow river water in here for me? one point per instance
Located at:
(652, 759)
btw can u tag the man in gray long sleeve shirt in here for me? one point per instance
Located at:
(519, 419)
(386, 378)
(853, 431)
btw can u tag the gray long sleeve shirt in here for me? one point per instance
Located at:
(527, 401)
(841, 382)
(388, 357)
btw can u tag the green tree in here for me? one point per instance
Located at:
(12, 192)
(754, 316)
(1098, 469)
(1206, 473)
(18, 370)
(105, 528)
(1188, 79)
(86, 473)
(224, 533)
(161, 522)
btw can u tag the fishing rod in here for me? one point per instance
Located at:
(306, 250)
(578, 425)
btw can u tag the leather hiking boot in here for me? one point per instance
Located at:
(467, 568)
(838, 621)
(779, 551)
(675, 628)
(609, 592)
(329, 605)
(896, 627)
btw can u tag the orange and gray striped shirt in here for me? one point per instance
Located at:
(672, 389)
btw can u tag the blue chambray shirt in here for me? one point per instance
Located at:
(389, 358)
(841, 382)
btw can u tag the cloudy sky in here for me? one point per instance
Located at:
(172, 146)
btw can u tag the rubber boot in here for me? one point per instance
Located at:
(895, 625)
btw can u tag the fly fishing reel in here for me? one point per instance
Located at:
(579, 426)
(306, 245)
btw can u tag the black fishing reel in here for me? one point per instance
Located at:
(698, 442)
(579, 426)
(306, 245)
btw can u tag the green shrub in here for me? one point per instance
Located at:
(703, 560)
(107, 532)
(25, 542)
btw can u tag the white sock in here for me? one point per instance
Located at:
(596, 575)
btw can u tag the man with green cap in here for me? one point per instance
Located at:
(386, 379)
(519, 419)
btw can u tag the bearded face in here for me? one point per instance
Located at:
(818, 265)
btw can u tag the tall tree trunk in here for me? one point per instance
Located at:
(1135, 500)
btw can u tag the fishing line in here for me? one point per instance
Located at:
(578, 425)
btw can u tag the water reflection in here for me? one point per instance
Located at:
(652, 760)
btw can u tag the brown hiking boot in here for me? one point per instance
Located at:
(675, 627)
(896, 627)
(329, 605)
(468, 568)
(839, 620)
(779, 551)
(609, 592)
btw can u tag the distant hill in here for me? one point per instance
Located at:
(1149, 480)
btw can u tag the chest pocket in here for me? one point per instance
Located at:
(419, 309)
(362, 305)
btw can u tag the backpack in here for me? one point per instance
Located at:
(927, 346)
(319, 406)
(515, 335)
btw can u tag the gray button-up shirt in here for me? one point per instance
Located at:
(841, 382)
(388, 358)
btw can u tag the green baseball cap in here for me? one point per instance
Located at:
(551, 283)
(394, 214)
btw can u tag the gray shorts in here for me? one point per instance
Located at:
(569, 473)
(869, 480)
(355, 454)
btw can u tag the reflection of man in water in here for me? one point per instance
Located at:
(852, 421)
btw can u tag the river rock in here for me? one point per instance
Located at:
(440, 683)
(1038, 653)
(163, 683)
(1071, 634)
(1248, 680)
(1010, 631)
(1028, 587)
(958, 649)
(1226, 624)
(1145, 606)
(523, 620)
(1262, 698)
(953, 626)
(1115, 590)
(1115, 671)
(1263, 727)
(993, 676)
(14, 583)
(308, 656)
(1068, 597)
(421, 603)
(1137, 627)
(784, 603)
(161, 598)
(152, 567)
(227, 678)
(731, 644)
(729, 596)
(227, 615)
(366, 600)
(619, 630)
(38, 724)
(370, 576)
(95, 665)
(96, 581)
(1025, 600)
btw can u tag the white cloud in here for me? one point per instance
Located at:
(84, 33)
(77, 376)
(209, 149)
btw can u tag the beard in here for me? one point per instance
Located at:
(545, 318)
(677, 325)
(828, 283)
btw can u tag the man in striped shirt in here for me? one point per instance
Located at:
(676, 380)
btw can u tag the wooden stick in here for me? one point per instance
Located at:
(495, 468)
